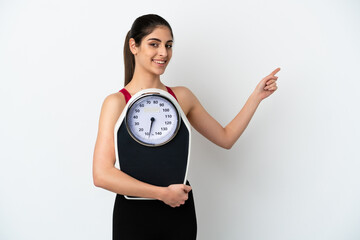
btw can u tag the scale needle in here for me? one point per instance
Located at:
(152, 119)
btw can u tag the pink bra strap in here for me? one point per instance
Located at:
(171, 92)
(127, 95)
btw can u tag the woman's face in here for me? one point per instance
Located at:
(155, 51)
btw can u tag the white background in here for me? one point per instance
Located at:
(293, 174)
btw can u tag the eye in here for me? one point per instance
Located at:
(169, 46)
(154, 44)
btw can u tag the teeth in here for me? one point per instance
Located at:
(160, 62)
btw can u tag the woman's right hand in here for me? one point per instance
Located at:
(175, 194)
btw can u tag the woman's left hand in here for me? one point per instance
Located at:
(267, 86)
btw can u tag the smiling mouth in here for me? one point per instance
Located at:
(159, 61)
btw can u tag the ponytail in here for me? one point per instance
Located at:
(129, 61)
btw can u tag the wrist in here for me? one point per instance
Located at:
(160, 193)
(254, 98)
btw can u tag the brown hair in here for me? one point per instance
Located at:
(142, 26)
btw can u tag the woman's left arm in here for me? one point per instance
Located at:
(225, 137)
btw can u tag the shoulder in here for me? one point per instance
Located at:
(185, 97)
(182, 92)
(113, 104)
(114, 99)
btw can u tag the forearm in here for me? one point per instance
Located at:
(238, 125)
(119, 182)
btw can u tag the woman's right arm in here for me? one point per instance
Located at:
(107, 176)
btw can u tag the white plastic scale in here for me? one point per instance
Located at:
(153, 139)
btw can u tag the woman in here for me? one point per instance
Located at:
(147, 52)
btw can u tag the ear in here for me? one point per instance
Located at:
(132, 46)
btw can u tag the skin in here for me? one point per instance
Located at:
(147, 75)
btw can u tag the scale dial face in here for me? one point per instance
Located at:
(152, 120)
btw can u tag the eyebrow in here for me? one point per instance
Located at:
(156, 39)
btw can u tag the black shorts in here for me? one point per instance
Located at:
(153, 220)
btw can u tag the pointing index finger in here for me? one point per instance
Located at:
(275, 71)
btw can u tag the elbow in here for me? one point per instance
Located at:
(227, 146)
(98, 180)
(227, 140)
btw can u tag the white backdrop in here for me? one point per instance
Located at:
(293, 174)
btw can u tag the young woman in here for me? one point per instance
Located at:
(147, 52)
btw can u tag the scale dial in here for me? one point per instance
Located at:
(152, 120)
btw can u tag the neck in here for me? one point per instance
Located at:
(144, 80)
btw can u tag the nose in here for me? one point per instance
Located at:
(163, 51)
